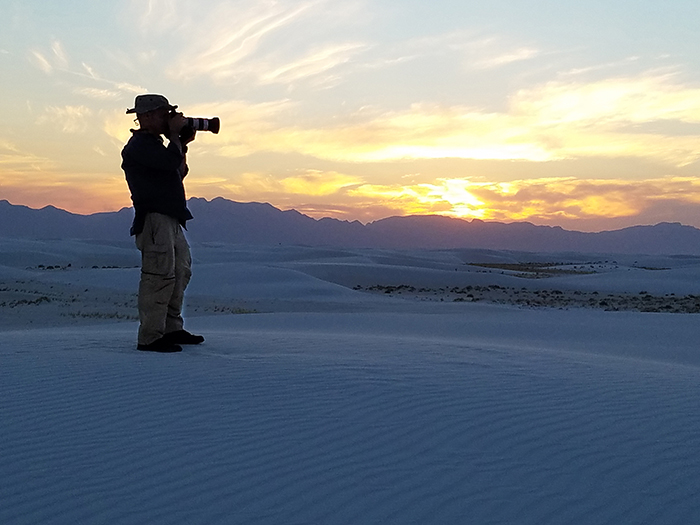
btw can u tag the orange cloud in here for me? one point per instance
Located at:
(260, 186)
(554, 201)
(69, 192)
(536, 200)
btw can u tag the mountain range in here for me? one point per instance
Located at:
(222, 220)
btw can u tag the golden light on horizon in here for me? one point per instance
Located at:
(450, 197)
(540, 200)
(317, 183)
(464, 204)
(610, 205)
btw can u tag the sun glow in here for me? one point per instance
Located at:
(463, 203)
(545, 200)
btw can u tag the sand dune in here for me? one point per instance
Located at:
(334, 405)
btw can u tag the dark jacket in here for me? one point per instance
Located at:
(154, 174)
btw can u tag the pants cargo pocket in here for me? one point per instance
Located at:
(158, 262)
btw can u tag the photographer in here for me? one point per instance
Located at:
(155, 176)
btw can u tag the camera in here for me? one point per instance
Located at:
(194, 124)
(203, 124)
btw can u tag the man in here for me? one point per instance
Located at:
(155, 176)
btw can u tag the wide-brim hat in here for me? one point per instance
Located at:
(149, 102)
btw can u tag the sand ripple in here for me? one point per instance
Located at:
(265, 427)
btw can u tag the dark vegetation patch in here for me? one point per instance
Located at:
(562, 299)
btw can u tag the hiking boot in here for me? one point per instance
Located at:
(183, 337)
(160, 345)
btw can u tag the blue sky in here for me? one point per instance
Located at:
(585, 116)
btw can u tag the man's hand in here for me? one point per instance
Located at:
(189, 138)
(175, 123)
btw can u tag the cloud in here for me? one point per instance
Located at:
(257, 186)
(88, 192)
(116, 124)
(60, 57)
(57, 63)
(543, 201)
(91, 72)
(117, 92)
(651, 96)
(271, 42)
(70, 119)
(315, 63)
(56, 60)
(586, 119)
(363, 212)
(317, 183)
(422, 131)
(15, 160)
(233, 34)
(41, 62)
(98, 94)
(553, 121)
(129, 88)
(156, 16)
(508, 57)
(475, 51)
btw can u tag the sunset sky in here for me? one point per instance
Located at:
(579, 114)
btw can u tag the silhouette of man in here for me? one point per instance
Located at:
(155, 176)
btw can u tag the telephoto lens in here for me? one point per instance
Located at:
(204, 124)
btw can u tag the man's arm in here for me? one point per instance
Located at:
(152, 155)
(177, 122)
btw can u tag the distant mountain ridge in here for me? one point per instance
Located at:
(222, 220)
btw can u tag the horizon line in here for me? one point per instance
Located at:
(467, 220)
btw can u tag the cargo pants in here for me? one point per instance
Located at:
(166, 268)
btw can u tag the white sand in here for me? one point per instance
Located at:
(332, 405)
